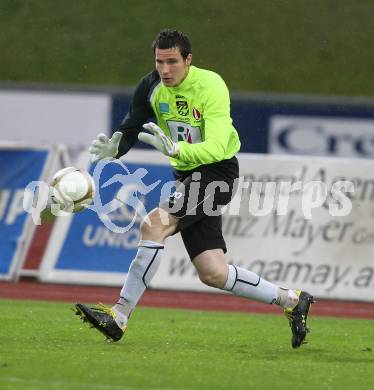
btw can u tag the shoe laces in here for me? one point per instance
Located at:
(105, 309)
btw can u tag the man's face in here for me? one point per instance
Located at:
(171, 66)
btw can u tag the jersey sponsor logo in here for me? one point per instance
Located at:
(164, 108)
(180, 131)
(180, 97)
(196, 114)
(184, 134)
(182, 107)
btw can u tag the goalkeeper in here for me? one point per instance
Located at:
(194, 128)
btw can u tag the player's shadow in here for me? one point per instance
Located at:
(324, 355)
(308, 352)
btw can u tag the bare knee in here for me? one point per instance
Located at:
(211, 267)
(157, 226)
(214, 278)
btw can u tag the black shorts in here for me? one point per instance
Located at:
(197, 202)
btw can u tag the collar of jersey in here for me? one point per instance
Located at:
(187, 82)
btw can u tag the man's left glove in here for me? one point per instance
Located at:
(159, 140)
(104, 148)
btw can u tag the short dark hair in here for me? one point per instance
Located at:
(169, 38)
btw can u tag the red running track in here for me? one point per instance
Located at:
(30, 289)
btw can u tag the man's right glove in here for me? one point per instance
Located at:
(104, 148)
(159, 140)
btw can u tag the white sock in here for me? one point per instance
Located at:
(287, 298)
(141, 272)
(245, 283)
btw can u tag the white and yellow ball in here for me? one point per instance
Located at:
(72, 189)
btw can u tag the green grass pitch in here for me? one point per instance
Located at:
(44, 346)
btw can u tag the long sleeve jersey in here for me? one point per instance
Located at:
(196, 114)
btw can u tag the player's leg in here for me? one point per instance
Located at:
(206, 247)
(112, 321)
(213, 271)
(158, 226)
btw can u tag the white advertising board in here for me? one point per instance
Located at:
(46, 118)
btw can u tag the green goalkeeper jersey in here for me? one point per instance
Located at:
(196, 114)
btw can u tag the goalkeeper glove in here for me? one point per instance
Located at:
(159, 140)
(104, 148)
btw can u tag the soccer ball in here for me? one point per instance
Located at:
(72, 189)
